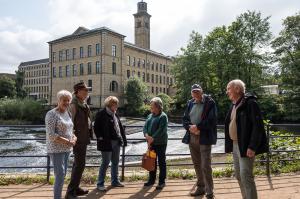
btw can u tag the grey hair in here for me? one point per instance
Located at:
(110, 101)
(237, 83)
(63, 93)
(158, 102)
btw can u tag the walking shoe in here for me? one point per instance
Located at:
(81, 192)
(160, 186)
(102, 188)
(210, 196)
(117, 185)
(147, 184)
(198, 192)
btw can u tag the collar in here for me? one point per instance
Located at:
(109, 111)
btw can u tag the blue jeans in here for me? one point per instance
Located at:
(107, 157)
(60, 166)
(243, 169)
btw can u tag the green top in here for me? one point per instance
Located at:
(156, 127)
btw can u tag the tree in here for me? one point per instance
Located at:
(7, 87)
(167, 100)
(21, 92)
(135, 93)
(287, 52)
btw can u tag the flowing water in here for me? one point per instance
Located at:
(34, 147)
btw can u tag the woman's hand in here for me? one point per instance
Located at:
(149, 139)
(194, 129)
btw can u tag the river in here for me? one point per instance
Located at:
(34, 147)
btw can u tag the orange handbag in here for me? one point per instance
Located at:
(148, 161)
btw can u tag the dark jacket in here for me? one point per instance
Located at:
(105, 131)
(208, 124)
(250, 127)
(81, 116)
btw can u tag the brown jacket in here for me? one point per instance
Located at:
(82, 122)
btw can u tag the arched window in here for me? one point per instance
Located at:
(113, 87)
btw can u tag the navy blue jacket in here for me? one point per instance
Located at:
(208, 124)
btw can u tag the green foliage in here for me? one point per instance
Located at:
(26, 109)
(20, 91)
(135, 93)
(287, 54)
(167, 100)
(226, 53)
(7, 87)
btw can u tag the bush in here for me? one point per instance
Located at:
(167, 100)
(25, 109)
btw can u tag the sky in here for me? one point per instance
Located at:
(27, 25)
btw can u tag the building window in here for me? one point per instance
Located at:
(164, 90)
(148, 77)
(167, 80)
(90, 84)
(60, 71)
(139, 74)
(81, 69)
(89, 68)
(54, 72)
(128, 60)
(171, 81)
(152, 78)
(160, 90)
(160, 68)
(143, 76)
(160, 79)
(74, 53)
(138, 24)
(67, 54)
(133, 61)
(89, 50)
(164, 80)
(156, 68)
(139, 62)
(144, 63)
(74, 69)
(128, 73)
(114, 50)
(113, 87)
(114, 68)
(98, 50)
(53, 57)
(133, 73)
(81, 52)
(156, 90)
(152, 89)
(98, 69)
(67, 71)
(156, 78)
(164, 68)
(60, 55)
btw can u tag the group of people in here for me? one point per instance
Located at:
(69, 126)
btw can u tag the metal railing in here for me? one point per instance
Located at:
(123, 155)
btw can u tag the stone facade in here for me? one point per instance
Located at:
(36, 78)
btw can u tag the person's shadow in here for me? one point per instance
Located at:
(95, 193)
(143, 191)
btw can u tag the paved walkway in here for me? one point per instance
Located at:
(281, 187)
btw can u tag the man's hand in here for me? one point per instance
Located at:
(250, 153)
(194, 129)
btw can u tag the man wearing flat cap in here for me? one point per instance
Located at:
(200, 122)
(82, 127)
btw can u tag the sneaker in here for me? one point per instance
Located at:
(198, 192)
(81, 192)
(117, 185)
(160, 186)
(147, 184)
(210, 196)
(102, 188)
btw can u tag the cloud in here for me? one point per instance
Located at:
(19, 43)
(171, 23)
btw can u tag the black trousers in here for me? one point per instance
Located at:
(160, 151)
(79, 152)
